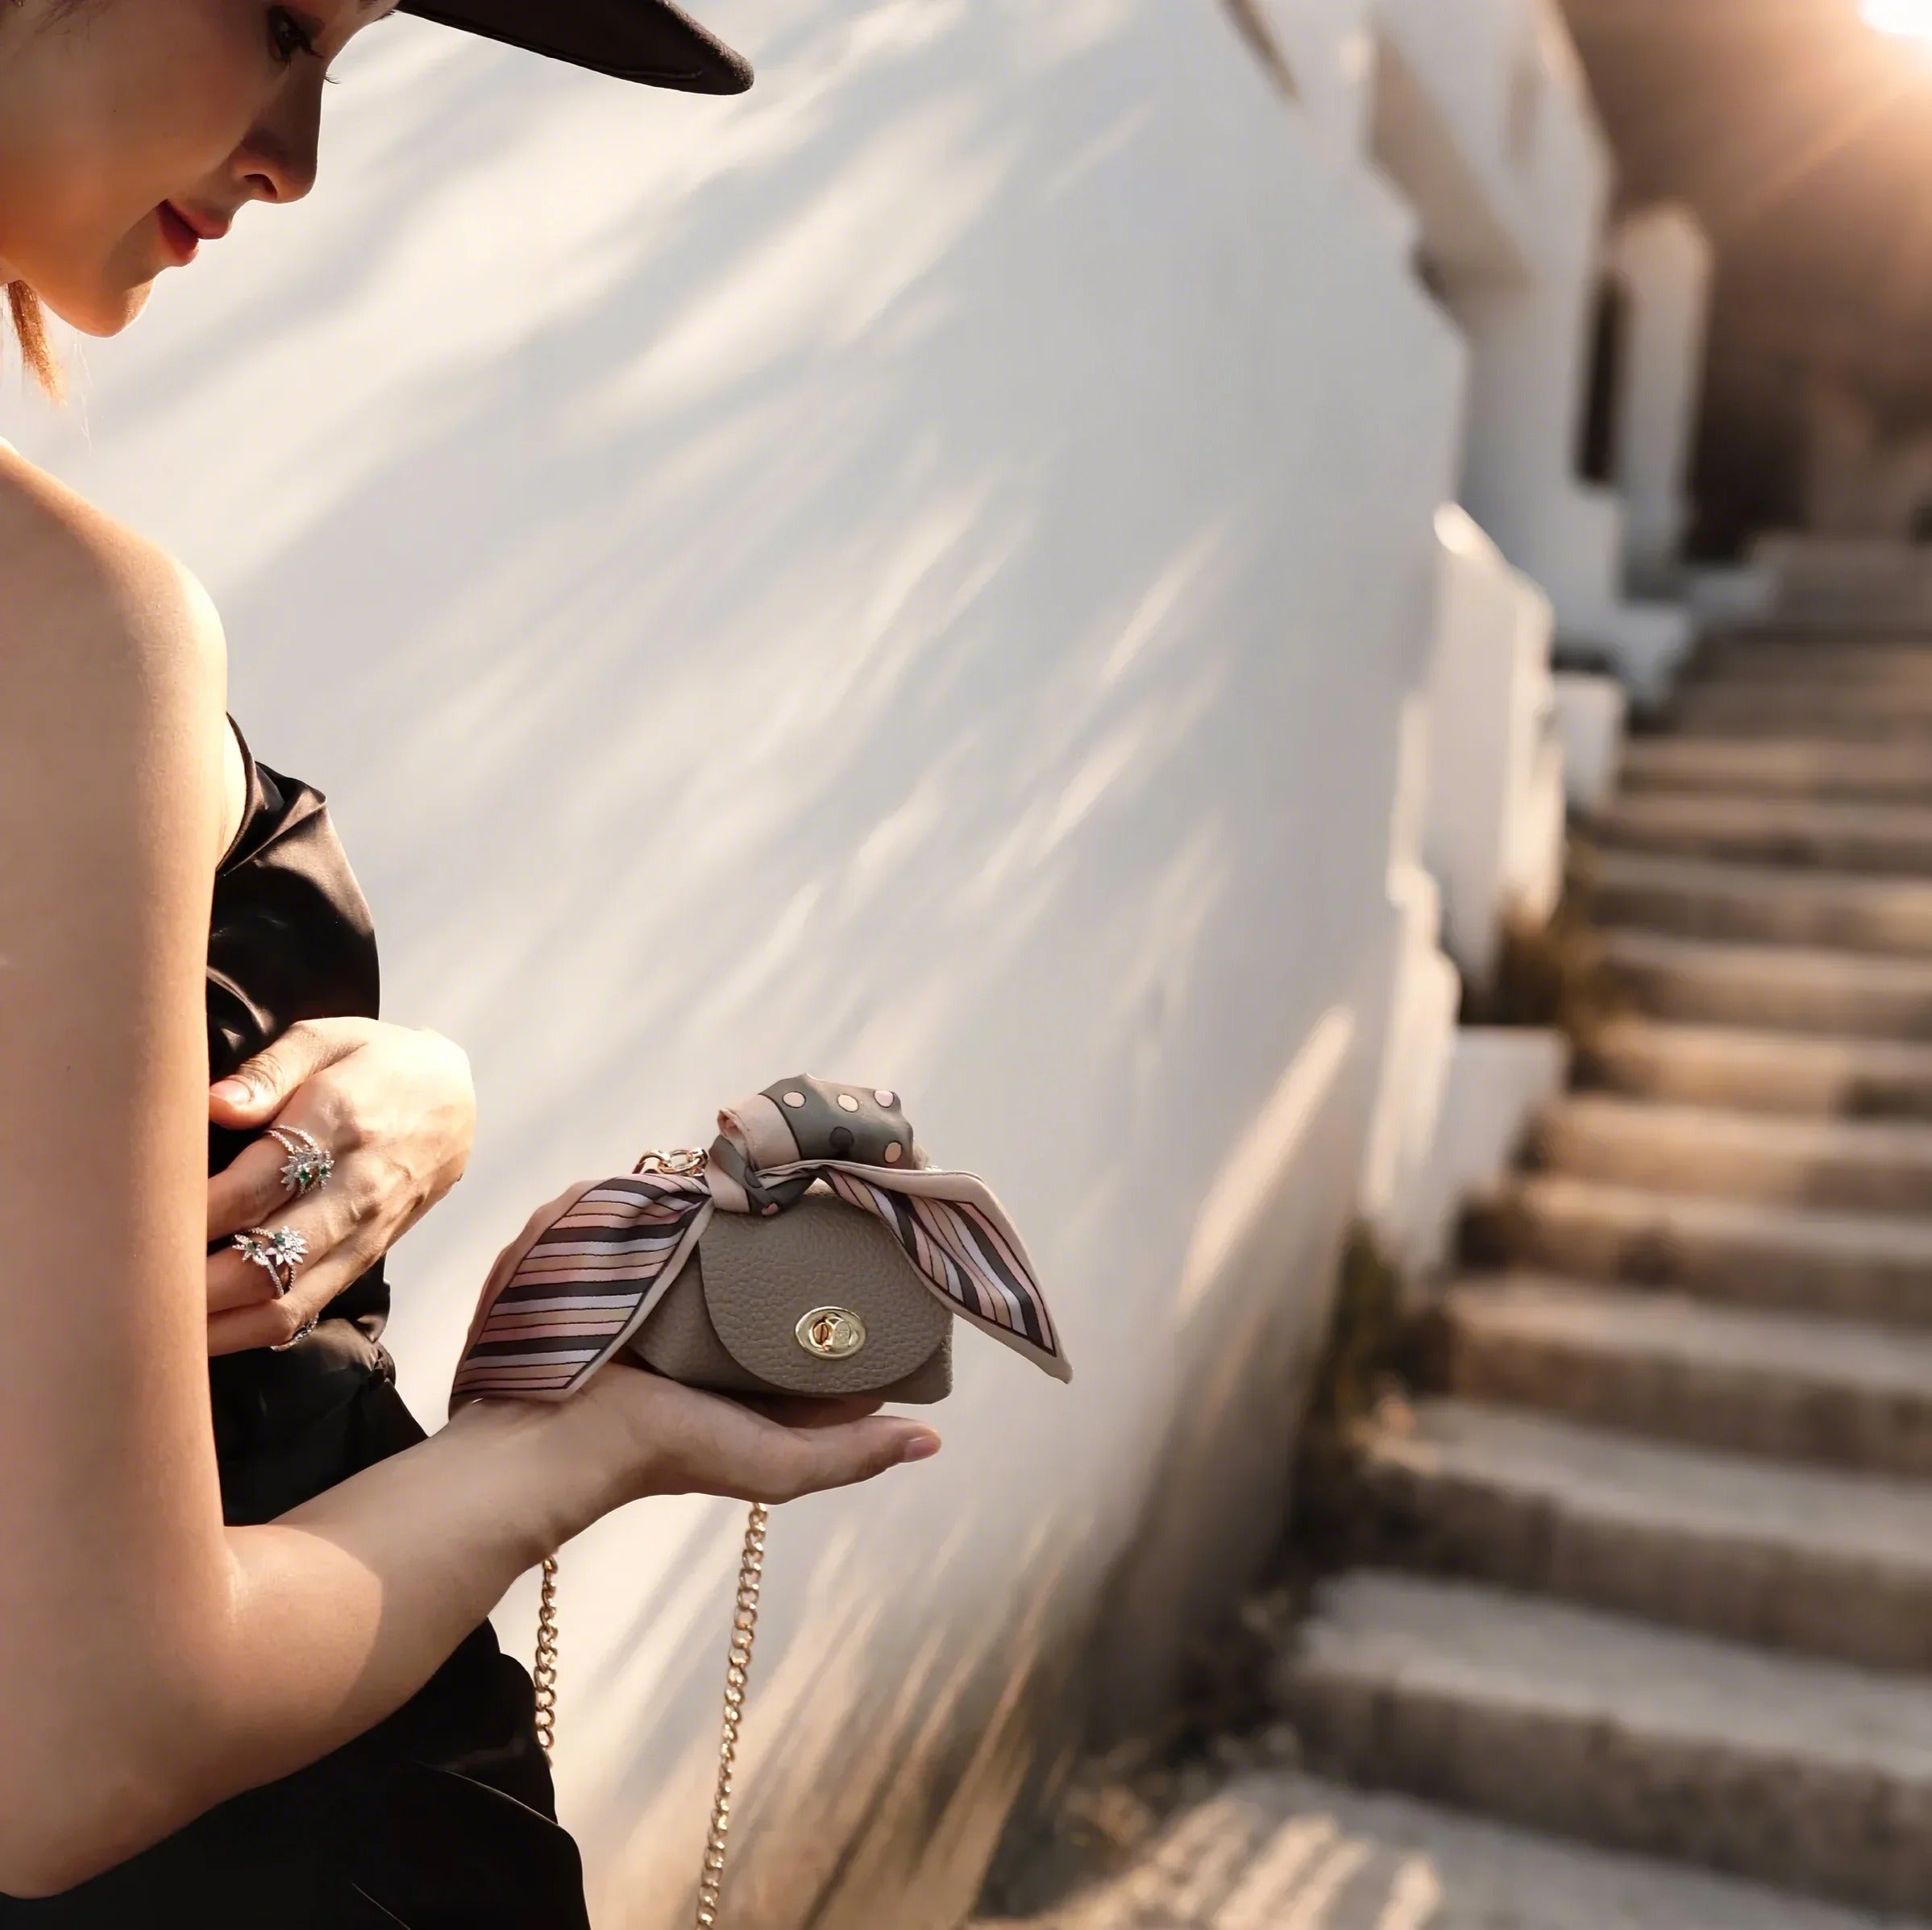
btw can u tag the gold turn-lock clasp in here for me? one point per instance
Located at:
(832, 1333)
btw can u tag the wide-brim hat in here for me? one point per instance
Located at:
(647, 40)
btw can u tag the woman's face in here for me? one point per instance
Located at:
(132, 130)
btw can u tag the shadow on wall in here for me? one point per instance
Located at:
(912, 574)
(1252, 23)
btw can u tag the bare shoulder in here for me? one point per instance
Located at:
(81, 587)
(108, 647)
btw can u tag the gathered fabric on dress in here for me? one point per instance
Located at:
(442, 1817)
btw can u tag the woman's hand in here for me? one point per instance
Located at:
(395, 1108)
(654, 1436)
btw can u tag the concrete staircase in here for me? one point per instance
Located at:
(1642, 1639)
(1284, 1851)
(1653, 1559)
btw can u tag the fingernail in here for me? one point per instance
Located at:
(233, 1092)
(921, 1447)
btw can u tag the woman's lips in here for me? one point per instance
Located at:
(183, 230)
(182, 242)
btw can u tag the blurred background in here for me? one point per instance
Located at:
(1306, 621)
(1797, 131)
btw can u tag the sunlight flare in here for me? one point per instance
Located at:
(1903, 19)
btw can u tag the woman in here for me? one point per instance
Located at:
(245, 1671)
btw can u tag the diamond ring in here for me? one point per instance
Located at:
(301, 1334)
(279, 1250)
(309, 1163)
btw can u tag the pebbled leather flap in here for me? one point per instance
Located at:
(762, 1276)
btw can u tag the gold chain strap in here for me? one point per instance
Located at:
(744, 1632)
(543, 1677)
(738, 1672)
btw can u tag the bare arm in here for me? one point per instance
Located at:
(153, 1662)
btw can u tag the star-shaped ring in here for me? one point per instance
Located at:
(309, 1163)
(279, 1250)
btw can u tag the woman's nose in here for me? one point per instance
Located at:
(277, 161)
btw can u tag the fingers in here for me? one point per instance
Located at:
(243, 1310)
(235, 1280)
(256, 1092)
(843, 1453)
(246, 1192)
(686, 1441)
(273, 1324)
(242, 1326)
(807, 1411)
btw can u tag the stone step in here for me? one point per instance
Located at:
(1834, 621)
(1805, 990)
(1796, 1558)
(1820, 767)
(1820, 706)
(1869, 682)
(1857, 1266)
(1777, 904)
(1783, 1768)
(1794, 764)
(1773, 1072)
(1839, 1392)
(1880, 1165)
(1830, 833)
(1274, 1849)
(1737, 658)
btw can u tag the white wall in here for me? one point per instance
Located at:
(1499, 1078)
(1458, 121)
(1329, 46)
(1493, 835)
(1591, 712)
(914, 574)
(1663, 260)
(1487, 125)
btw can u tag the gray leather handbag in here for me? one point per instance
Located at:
(811, 1250)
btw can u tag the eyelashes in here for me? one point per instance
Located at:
(287, 36)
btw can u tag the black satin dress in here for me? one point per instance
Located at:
(442, 1817)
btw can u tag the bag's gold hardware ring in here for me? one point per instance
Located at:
(832, 1333)
(687, 1162)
